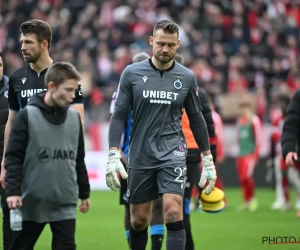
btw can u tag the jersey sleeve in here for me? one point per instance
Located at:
(13, 103)
(15, 153)
(192, 102)
(112, 104)
(78, 95)
(124, 93)
(207, 113)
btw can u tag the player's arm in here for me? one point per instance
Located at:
(11, 116)
(15, 154)
(82, 175)
(112, 103)
(121, 107)
(199, 130)
(291, 130)
(14, 107)
(197, 122)
(206, 112)
(77, 104)
(116, 126)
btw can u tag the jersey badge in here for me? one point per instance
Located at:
(24, 80)
(6, 94)
(145, 78)
(177, 84)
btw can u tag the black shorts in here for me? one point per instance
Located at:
(147, 184)
(192, 172)
(123, 192)
(123, 188)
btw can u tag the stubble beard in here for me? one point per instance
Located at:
(32, 59)
(163, 60)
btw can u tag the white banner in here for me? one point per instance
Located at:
(96, 160)
(96, 166)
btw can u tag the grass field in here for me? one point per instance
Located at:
(102, 227)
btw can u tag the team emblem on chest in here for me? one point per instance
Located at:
(177, 84)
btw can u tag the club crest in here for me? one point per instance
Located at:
(177, 84)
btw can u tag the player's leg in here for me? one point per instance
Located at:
(297, 185)
(124, 201)
(6, 230)
(240, 171)
(142, 190)
(171, 183)
(285, 184)
(157, 227)
(279, 200)
(27, 237)
(63, 234)
(127, 221)
(245, 166)
(294, 178)
(194, 198)
(192, 180)
(186, 210)
(250, 166)
(219, 183)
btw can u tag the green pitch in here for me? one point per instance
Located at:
(102, 227)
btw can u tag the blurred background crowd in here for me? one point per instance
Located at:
(234, 47)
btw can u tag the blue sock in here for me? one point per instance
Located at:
(127, 235)
(157, 229)
(157, 235)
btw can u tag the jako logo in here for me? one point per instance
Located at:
(45, 155)
(280, 240)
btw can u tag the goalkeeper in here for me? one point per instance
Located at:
(157, 220)
(156, 91)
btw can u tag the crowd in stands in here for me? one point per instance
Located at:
(233, 46)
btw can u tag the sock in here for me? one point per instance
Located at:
(244, 185)
(175, 236)
(138, 240)
(157, 235)
(189, 245)
(279, 192)
(127, 235)
(250, 188)
(285, 186)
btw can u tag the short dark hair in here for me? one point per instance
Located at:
(41, 29)
(179, 58)
(169, 27)
(140, 57)
(60, 72)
